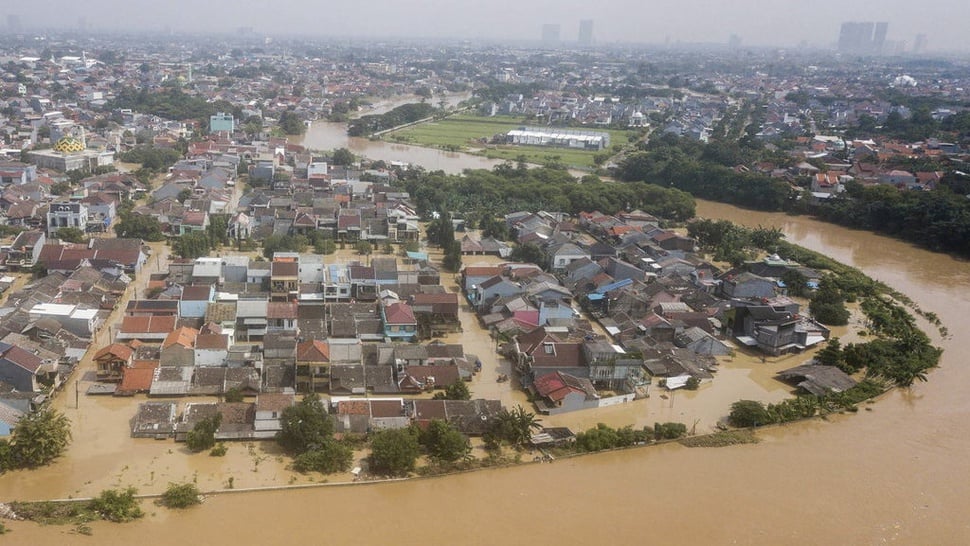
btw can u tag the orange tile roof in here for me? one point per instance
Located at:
(183, 336)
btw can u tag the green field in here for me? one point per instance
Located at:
(463, 133)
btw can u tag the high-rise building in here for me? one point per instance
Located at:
(550, 35)
(879, 38)
(586, 32)
(862, 37)
(919, 46)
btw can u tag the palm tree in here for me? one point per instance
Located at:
(516, 426)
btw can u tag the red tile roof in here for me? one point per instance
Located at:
(313, 351)
(399, 313)
(148, 325)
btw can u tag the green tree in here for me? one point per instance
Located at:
(456, 391)
(394, 451)
(325, 246)
(305, 426)
(530, 253)
(203, 434)
(452, 257)
(70, 235)
(39, 438)
(444, 442)
(796, 283)
(234, 395)
(291, 123)
(192, 245)
(330, 457)
(828, 305)
(138, 226)
(6, 456)
(514, 427)
(831, 354)
(364, 248)
(61, 188)
(749, 413)
(669, 431)
(181, 495)
(184, 195)
(119, 506)
(343, 156)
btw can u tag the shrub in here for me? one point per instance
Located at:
(117, 505)
(180, 495)
(669, 431)
(203, 434)
(331, 457)
(219, 450)
(749, 413)
(394, 451)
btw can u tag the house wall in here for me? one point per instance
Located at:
(615, 400)
(21, 379)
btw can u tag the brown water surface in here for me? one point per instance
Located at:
(896, 474)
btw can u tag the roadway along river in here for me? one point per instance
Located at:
(895, 474)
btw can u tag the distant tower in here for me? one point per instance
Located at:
(879, 38)
(586, 32)
(858, 37)
(919, 46)
(82, 24)
(550, 35)
(734, 42)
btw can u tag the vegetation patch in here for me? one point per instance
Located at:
(722, 439)
(117, 505)
(181, 495)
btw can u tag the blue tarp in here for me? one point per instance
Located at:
(421, 256)
(614, 286)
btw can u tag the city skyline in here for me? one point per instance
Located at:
(782, 24)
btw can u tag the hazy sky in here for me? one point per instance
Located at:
(757, 22)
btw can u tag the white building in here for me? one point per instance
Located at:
(61, 215)
(81, 322)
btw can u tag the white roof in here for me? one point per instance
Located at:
(84, 314)
(677, 382)
(52, 309)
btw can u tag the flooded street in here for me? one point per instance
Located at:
(895, 474)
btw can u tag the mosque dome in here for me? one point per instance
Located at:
(68, 145)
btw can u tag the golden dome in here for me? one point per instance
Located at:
(68, 145)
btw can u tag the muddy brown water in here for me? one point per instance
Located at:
(896, 474)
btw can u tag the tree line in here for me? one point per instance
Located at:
(406, 113)
(508, 188)
(938, 219)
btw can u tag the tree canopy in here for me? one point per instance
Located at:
(394, 451)
(305, 426)
(39, 438)
(444, 442)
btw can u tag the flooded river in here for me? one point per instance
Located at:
(897, 474)
(325, 135)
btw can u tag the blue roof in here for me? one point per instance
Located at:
(418, 256)
(614, 286)
(595, 297)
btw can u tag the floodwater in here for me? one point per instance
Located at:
(326, 135)
(895, 474)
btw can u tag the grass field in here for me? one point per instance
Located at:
(464, 133)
